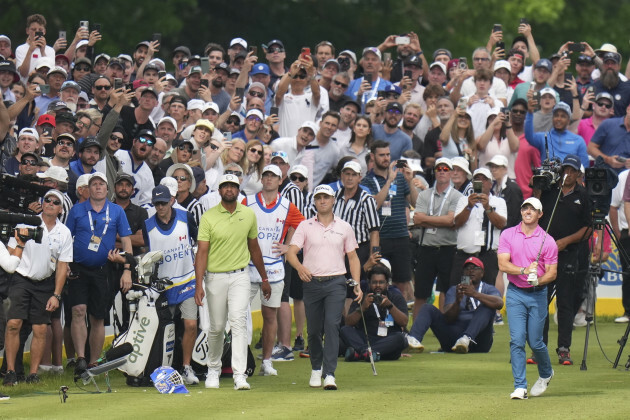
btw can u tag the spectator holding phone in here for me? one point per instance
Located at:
(35, 46)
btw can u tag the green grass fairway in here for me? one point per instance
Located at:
(429, 386)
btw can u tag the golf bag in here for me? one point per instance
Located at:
(151, 329)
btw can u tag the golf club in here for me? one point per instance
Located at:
(353, 283)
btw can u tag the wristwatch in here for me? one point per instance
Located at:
(490, 210)
(58, 297)
(522, 270)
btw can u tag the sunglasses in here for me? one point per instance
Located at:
(181, 178)
(65, 143)
(604, 104)
(28, 162)
(391, 95)
(149, 142)
(260, 152)
(189, 149)
(518, 111)
(116, 138)
(394, 111)
(297, 178)
(481, 59)
(102, 87)
(256, 94)
(443, 169)
(230, 172)
(214, 146)
(275, 50)
(300, 76)
(253, 118)
(82, 68)
(50, 200)
(160, 204)
(233, 122)
(338, 83)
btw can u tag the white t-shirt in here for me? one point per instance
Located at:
(22, 50)
(142, 175)
(498, 88)
(295, 109)
(470, 236)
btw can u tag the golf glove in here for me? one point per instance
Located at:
(532, 278)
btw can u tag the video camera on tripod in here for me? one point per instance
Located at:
(16, 194)
(547, 175)
(9, 220)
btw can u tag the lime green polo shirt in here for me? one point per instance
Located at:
(227, 234)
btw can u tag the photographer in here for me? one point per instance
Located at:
(570, 229)
(37, 284)
(465, 324)
(385, 314)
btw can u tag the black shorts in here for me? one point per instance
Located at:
(293, 283)
(29, 299)
(432, 262)
(398, 253)
(90, 288)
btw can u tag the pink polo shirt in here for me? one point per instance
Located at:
(325, 247)
(524, 249)
(586, 129)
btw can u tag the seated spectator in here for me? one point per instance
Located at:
(465, 325)
(384, 313)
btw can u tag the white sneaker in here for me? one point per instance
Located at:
(461, 345)
(266, 369)
(519, 394)
(189, 377)
(541, 385)
(316, 379)
(42, 369)
(212, 379)
(579, 320)
(329, 383)
(622, 319)
(240, 383)
(415, 344)
(58, 370)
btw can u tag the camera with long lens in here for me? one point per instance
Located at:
(9, 220)
(344, 63)
(16, 193)
(547, 175)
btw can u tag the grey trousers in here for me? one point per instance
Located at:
(323, 304)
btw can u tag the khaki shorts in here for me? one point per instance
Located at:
(276, 294)
(188, 308)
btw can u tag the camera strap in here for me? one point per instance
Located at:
(475, 303)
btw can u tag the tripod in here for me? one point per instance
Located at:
(595, 272)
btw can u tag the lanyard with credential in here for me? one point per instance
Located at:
(106, 222)
(439, 213)
(371, 94)
(472, 301)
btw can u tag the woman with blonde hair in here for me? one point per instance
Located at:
(458, 138)
(252, 182)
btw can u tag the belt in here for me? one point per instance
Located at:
(238, 270)
(476, 254)
(530, 289)
(437, 246)
(322, 279)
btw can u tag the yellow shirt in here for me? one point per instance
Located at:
(227, 234)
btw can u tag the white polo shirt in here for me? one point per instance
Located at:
(468, 237)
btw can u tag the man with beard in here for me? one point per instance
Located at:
(217, 84)
(610, 82)
(584, 66)
(294, 146)
(410, 119)
(610, 141)
(392, 189)
(64, 151)
(132, 162)
(336, 93)
(348, 112)
(193, 83)
(90, 152)
(136, 215)
(390, 133)
(100, 92)
(253, 121)
(227, 241)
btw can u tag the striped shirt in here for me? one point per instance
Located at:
(394, 226)
(194, 207)
(293, 193)
(359, 211)
(66, 206)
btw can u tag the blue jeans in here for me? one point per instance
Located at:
(526, 314)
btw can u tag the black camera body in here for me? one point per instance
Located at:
(547, 175)
(378, 298)
(344, 63)
(16, 194)
(9, 220)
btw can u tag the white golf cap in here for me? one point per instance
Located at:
(444, 161)
(534, 202)
(171, 184)
(255, 112)
(498, 160)
(439, 64)
(350, 54)
(483, 171)
(210, 105)
(169, 120)
(311, 125)
(54, 172)
(56, 194)
(83, 180)
(28, 131)
(502, 64)
(299, 169)
(195, 104)
(229, 178)
(323, 189)
(273, 169)
(462, 163)
(171, 169)
(99, 175)
(355, 166)
(239, 41)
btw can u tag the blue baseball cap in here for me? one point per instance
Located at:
(572, 161)
(392, 88)
(161, 194)
(544, 63)
(260, 69)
